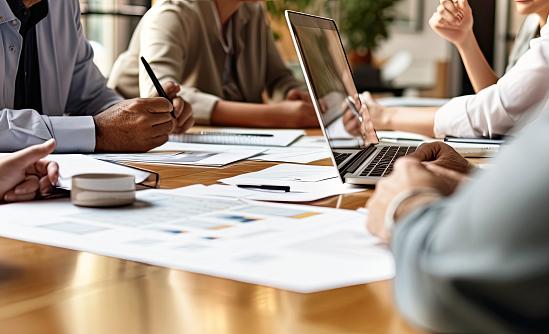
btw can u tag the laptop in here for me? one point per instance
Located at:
(332, 88)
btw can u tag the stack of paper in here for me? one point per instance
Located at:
(219, 190)
(73, 164)
(235, 136)
(188, 154)
(298, 248)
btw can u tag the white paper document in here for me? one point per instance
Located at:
(298, 248)
(187, 154)
(299, 177)
(237, 136)
(298, 155)
(220, 190)
(74, 164)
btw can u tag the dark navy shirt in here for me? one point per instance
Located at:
(28, 93)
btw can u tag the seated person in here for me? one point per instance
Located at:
(48, 74)
(498, 105)
(471, 252)
(223, 54)
(24, 176)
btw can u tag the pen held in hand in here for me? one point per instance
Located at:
(156, 83)
(354, 109)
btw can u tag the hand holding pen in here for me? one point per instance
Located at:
(182, 111)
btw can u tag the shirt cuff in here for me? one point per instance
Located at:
(203, 105)
(73, 134)
(452, 119)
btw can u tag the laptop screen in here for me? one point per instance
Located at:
(329, 75)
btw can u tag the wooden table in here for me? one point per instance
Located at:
(51, 290)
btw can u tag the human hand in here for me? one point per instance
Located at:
(184, 119)
(297, 114)
(24, 176)
(370, 110)
(443, 155)
(453, 21)
(408, 175)
(298, 95)
(137, 125)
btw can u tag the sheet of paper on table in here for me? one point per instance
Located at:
(298, 248)
(219, 190)
(300, 178)
(187, 154)
(238, 136)
(73, 164)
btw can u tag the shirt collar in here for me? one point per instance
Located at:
(237, 21)
(38, 11)
(6, 15)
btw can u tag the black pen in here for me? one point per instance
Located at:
(265, 187)
(156, 83)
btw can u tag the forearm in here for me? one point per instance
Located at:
(479, 70)
(238, 114)
(417, 120)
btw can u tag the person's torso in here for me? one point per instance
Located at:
(205, 60)
(57, 37)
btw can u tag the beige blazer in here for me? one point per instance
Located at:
(182, 41)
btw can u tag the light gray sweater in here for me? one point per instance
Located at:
(479, 261)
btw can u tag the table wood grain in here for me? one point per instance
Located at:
(51, 290)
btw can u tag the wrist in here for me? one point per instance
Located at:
(416, 202)
(98, 136)
(388, 119)
(406, 202)
(466, 43)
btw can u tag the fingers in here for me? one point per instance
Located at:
(352, 125)
(25, 191)
(154, 105)
(184, 114)
(162, 129)
(408, 164)
(294, 95)
(30, 155)
(29, 185)
(159, 141)
(463, 4)
(46, 186)
(171, 89)
(11, 197)
(449, 13)
(427, 151)
(444, 172)
(185, 127)
(188, 122)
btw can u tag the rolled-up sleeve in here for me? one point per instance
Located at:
(520, 93)
(203, 104)
(478, 262)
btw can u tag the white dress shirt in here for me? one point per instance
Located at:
(520, 93)
(71, 83)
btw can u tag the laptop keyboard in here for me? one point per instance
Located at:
(383, 162)
(340, 157)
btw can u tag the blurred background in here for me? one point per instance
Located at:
(389, 42)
